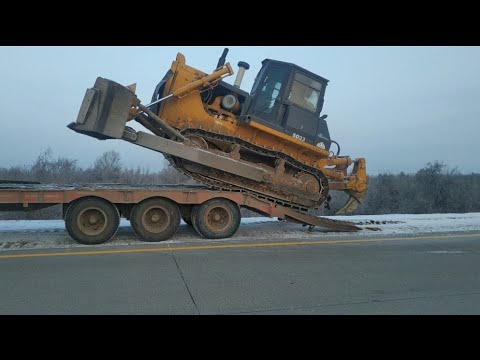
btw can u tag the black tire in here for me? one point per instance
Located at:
(92, 221)
(155, 219)
(216, 218)
(186, 211)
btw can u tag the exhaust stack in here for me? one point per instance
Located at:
(242, 66)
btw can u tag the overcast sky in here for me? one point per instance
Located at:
(399, 107)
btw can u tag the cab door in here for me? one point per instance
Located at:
(269, 92)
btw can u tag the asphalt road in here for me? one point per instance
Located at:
(422, 274)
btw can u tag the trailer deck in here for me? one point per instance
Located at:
(92, 211)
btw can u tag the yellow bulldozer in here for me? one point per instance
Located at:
(272, 143)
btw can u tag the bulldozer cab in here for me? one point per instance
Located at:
(289, 99)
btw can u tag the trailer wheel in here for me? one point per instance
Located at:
(216, 218)
(155, 219)
(186, 211)
(92, 221)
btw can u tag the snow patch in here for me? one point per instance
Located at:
(37, 234)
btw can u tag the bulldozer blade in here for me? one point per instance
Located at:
(351, 205)
(104, 110)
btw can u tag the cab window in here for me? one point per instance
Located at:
(305, 92)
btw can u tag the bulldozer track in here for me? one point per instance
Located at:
(336, 225)
(223, 186)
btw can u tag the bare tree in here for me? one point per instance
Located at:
(108, 167)
(59, 170)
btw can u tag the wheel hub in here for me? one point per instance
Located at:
(155, 219)
(92, 221)
(218, 218)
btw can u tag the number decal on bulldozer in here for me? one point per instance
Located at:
(299, 137)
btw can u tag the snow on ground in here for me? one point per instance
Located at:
(31, 225)
(395, 223)
(418, 223)
(23, 234)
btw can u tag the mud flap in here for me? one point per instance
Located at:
(104, 110)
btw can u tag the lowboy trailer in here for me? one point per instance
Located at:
(92, 212)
